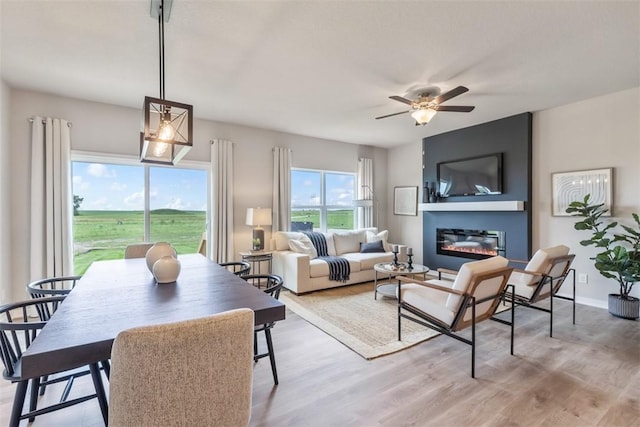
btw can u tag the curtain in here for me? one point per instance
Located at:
(51, 240)
(220, 243)
(281, 220)
(365, 192)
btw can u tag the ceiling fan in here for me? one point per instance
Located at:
(426, 106)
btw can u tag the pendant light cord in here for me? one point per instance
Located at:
(161, 47)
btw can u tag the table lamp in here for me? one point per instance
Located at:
(257, 217)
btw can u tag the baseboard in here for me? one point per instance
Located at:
(587, 301)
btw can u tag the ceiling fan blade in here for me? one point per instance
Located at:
(448, 95)
(458, 109)
(394, 114)
(401, 99)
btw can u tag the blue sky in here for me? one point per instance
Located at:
(118, 187)
(306, 188)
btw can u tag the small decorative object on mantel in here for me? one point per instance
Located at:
(394, 249)
(426, 192)
(166, 269)
(410, 256)
(157, 251)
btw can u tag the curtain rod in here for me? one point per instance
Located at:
(30, 120)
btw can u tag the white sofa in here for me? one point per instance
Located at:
(302, 273)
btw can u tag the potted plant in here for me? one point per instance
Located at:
(620, 256)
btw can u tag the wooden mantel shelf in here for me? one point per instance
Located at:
(502, 205)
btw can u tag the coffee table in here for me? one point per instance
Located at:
(388, 288)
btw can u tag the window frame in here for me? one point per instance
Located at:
(127, 160)
(322, 206)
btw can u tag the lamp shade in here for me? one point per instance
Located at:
(423, 115)
(258, 217)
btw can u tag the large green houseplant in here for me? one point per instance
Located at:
(619, 258)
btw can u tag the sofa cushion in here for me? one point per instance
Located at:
(282, 238)
(463, 279)
(374, 236)
(371, 247)
(320, 268)
(348, 241)
(368, 260)
(303, 246)
(429, 300)
(331, 247)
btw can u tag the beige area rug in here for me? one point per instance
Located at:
(351, 315)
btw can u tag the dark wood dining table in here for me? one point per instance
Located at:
(116, 295)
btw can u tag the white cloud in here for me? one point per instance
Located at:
(101, 171)
(135, 200)
(100, 204)
(79, 184)
(176, 204)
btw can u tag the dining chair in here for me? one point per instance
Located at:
(192, 373)
(239, 268)
(17, 331)
(137, 250)
(542, 278)
(273, 285)
(50, 287)
(451, 306)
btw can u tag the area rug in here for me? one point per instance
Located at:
(351, 315)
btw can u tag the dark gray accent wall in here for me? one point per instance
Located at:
(510, 136)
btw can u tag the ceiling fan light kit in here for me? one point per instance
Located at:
(167, 126)
(426, 106)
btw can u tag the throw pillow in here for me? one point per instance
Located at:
(348, 242)
(381, 236)
(303, 246)
(371, 247)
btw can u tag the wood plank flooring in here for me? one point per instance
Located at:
(588, 374)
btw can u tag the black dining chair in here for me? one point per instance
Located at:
(51, 287)
(239, 268)
(17, 332)
(273, 287)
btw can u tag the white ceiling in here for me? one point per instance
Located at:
(326, 68)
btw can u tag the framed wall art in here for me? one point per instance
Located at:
(567, 187)
(405, 201)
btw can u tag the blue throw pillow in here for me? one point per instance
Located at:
(371, 247)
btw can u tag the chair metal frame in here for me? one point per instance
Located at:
(274, 285)
(468, 301)
(553, 283)
(17, 332)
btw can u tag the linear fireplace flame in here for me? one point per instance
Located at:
(475, 244)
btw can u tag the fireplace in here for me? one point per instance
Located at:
(475, 244)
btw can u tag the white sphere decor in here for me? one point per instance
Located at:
(157, 251)
(166, 269)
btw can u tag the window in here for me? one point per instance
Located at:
(117, 203)
(322, 200)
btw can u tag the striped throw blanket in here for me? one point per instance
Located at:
(339, 268)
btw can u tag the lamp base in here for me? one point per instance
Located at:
(258, 239)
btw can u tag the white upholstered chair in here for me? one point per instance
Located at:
(450, 306)
(137, 250)
(543, 276)
(191, 373)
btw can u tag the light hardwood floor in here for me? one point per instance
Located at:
(586, 375)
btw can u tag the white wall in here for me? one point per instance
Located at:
(596, 133)
(5, 194)
(405, 169)
(115, 130)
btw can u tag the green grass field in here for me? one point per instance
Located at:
(101, 235)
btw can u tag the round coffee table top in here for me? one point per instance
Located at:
(401, 268)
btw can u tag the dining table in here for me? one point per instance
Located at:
(116, 295)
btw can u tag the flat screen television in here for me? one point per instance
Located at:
(475, 176)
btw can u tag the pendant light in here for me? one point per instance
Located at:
(167, 133)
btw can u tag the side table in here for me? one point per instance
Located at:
(256, 258)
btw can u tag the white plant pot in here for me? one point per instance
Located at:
(157, 251)
(166, 269)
